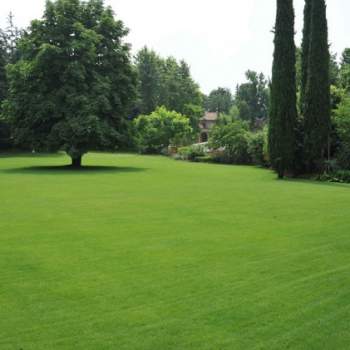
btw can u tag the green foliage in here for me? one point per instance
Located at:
(257, 147)
(165, 82)
(219, 100)
(74, 84)
(192, 153)
(149, 68)
(283, 113)
(232, 116)
(252, 98)
(304, 55)
(8, 54)
(233, 140)
(317, 95)
(195, 113)
(208, 158)
(340, 176)
(337, 95)
(3, 62)
(341, 120)
(162, 128)
(334, 70)
(345, 69)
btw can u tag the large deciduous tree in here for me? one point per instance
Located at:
(149, 68)
(165, 82)
(8, 54)
(317, 94)
(252, 98)
(283, 113)
(74, 84)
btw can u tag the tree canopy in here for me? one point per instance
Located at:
(252, 98)
(165, 82)
(219, 100)
(74, 84)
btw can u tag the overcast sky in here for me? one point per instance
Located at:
(219, 39)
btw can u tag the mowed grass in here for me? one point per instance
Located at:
(141, 252)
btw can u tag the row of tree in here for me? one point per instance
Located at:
(70, 83)
(299, 143)
(249, 103)
(166, 82)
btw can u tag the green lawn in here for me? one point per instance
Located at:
(151, 253)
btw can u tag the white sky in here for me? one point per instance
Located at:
(219, 39)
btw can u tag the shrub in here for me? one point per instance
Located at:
(191, 153)
(342, 176)
(258, 146)
(205, 159)
(233, 140)
(341, 120)
(155, 132)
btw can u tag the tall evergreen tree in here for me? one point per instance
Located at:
(317, 94)
(283, 112)
(305, 46)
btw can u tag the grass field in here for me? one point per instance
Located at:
(149, 253)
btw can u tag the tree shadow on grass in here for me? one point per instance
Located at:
(67, 169)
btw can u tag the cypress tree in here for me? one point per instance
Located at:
(317, 94)
(305, 46)
(283, 112)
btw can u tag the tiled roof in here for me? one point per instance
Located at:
(210, 116)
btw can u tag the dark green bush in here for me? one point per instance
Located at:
(257, 147)
(342, 176)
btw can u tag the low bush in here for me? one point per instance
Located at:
(233, 140)
(191, 153)
(205, 159)
(341, 119)
(342, 176)
(257, 147)
(234, 143)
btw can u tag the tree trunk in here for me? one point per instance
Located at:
(280, 170)
(76, 162)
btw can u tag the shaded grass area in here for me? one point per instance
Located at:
(56, 170)
(148, 253)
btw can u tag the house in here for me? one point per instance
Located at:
(206, 124)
